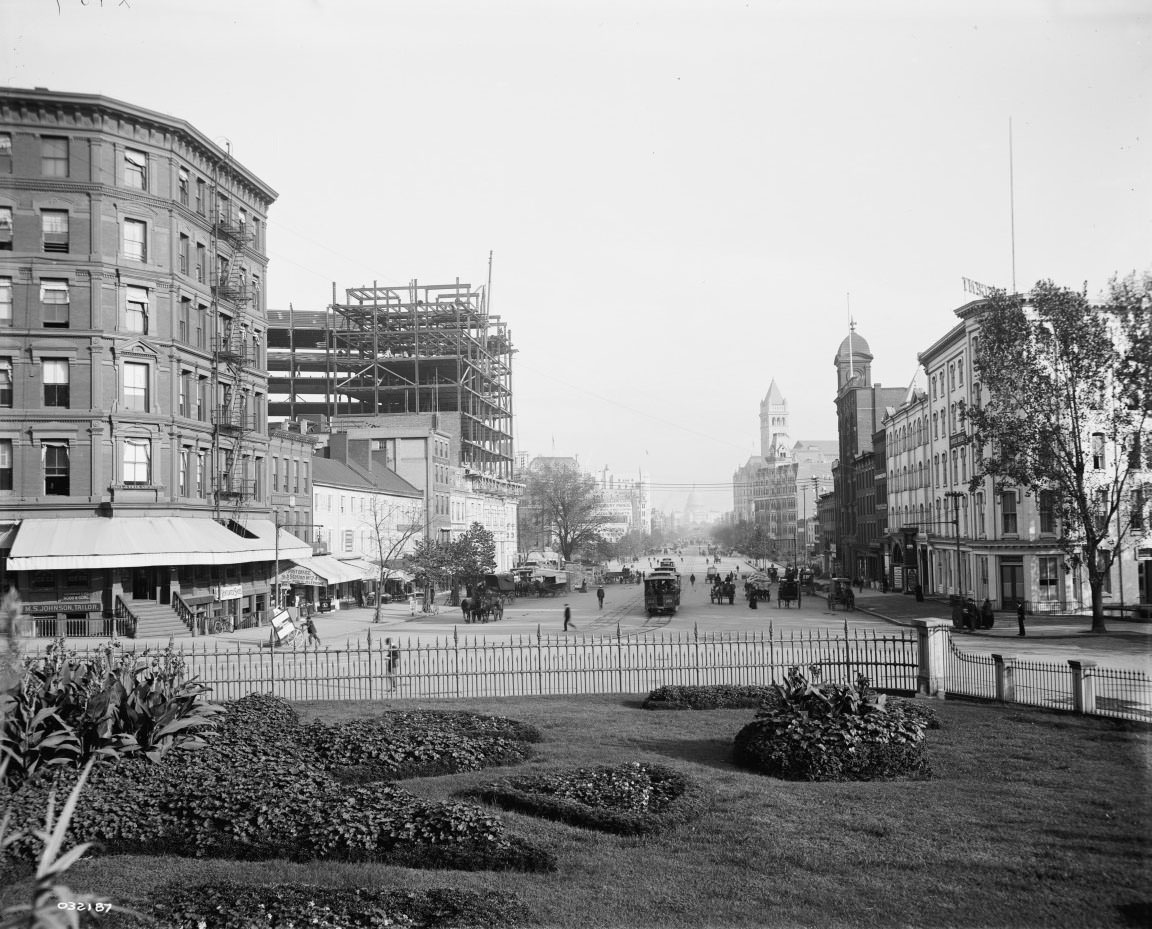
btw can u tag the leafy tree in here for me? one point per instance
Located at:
(568, 503)
(392, 526)
(1066, 414)
(463, 560)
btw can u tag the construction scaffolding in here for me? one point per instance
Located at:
(419, 348)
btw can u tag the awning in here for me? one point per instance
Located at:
(74, 543)
(368, 570)
(291, 547)
(332, 570)
(502, 582)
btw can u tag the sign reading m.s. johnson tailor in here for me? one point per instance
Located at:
(64, 606)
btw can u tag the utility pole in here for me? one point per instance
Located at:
(954, 496)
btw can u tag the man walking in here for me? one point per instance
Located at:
(1020, 617)
(600, 595)
(568, 617)
(393, 656)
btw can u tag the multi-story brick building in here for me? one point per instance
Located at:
(133, 450)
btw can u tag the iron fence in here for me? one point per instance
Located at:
(548, 665)
(1122, 693)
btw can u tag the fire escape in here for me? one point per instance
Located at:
(233, 357)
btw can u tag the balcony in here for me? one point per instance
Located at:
(233, 487)
(232, 418)
(232, 348)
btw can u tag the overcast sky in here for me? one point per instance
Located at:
(679, 196)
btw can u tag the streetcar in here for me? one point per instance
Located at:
(662, 591)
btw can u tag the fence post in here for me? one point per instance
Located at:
(1005, 679)
(931, 657)
(1083, 686)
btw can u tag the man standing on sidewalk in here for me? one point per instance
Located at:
(600, 595)
(1020, 617)
(568, 617)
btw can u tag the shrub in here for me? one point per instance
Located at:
(629, 799)
(306, 906)
(819, 732)
(714, 697)
(65, 709)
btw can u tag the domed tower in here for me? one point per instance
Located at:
(774, 441)
(853, 361)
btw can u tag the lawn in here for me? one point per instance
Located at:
(1030, 819)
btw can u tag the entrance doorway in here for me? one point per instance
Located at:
(142, 586)
(1011, 583)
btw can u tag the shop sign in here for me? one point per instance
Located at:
(64, 606)
(230, 592)
(303, 577)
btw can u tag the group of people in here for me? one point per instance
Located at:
(723, 589)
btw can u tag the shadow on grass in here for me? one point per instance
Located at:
(712, 753)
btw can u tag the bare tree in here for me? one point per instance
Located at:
(392, 526)
(568, 503)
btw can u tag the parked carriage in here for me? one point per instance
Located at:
(840, 593)
(788, 590)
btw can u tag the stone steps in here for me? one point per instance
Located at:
(155, 620)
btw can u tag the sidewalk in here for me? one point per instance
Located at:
(1127, 642)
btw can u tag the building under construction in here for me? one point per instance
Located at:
(420, 348)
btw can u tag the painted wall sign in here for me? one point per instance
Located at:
(64, 606)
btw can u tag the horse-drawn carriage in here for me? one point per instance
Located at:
(788, 590)
(840, 593)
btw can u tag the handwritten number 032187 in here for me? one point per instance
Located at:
(79, 905)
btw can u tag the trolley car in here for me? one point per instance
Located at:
(662, 591)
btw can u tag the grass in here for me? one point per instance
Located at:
(1032, 819)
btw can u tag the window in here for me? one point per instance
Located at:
(135, 386)
(1105, 570)
(200, 196)
(185, 464)
(5, 143)
(182, 399)
(1047, 505)
(183, 182)
(185, 254)
(5, 301)
(1048, 567)
(135, 169)
(963, 464)
(296, 478)
(304, 468)
(135, 240)
(55, 382)
(55, 298)
(275, 475)
(54, 226)
(935, 431)
(960, 372)
(201, 470)
(137, 461)
(1008, 512)
(54, 456)
(5, 464)
(1139, 500)
(951, 377)
(349, 539)
(53, 157)
(981, 528)
(6, 382)
(5, 228)
(1097, 450)
(184, 323)
(955, 469)
(136, 314)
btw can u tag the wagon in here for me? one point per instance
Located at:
(840, 593)
(788, 591)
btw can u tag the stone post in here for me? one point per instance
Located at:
(1005, 679)
(1083, 686)
(932, 654)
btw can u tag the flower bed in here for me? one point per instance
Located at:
(810, 731)
(261, 789)
(714, 697)
(629, 799)
(302, 906)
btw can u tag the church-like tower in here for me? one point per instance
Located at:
(774, 440)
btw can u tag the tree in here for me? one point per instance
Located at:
(568, 503)
(1067, 414)
(391, 525)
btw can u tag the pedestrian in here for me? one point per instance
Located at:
(568, 618)
(466, 608)
(986, 616)
(884, 584)
(310, 628)
(412, 604)
(692, 580)
(393, 663)
(1020, 617)
(731, 593)
(600, 596)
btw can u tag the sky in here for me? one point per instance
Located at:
(682, 200)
